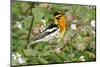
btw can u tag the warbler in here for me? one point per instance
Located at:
(60, 21)
(54, 30)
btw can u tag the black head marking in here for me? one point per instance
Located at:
(57, 13)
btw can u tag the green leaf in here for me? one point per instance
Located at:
(89, 56)
(38, 13)
(56, 58)
(42, 60)
(28, 52)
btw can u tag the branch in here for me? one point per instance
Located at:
(28, 38)
(73, 37)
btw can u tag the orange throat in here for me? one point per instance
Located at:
(62, 24)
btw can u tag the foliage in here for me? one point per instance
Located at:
(81, 47)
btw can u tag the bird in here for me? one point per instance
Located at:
(55, 30)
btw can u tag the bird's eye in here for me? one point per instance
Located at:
(57, 18)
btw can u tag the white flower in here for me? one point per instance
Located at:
(18, 55)
(93, 23)
(82, 58)
(29, 16)
(21, 60)
(73, 26)
(14, 56)
(42, 28)
(57, 50)
(19, 25)
(43, 21)
(43, 25)
(18, 58)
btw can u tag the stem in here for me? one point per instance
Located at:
(72, 38)
(28, 39)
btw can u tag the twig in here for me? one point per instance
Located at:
(72, 37)
(28, 39)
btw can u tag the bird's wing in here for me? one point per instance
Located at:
(50, 29)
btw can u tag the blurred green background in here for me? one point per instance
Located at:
(80, 48)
